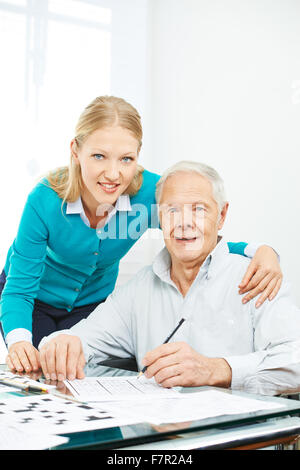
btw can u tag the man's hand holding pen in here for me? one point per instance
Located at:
(177, 364)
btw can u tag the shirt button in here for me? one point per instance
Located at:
(93, 266)
(77, 290)
(69, 306)
(96, 253)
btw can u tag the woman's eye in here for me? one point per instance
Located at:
(127, 159)
(98, 156)
(199, 209)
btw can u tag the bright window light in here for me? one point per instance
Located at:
(80, 9)
(21, 3)
(51, 68)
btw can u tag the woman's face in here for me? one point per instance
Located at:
(108, 161)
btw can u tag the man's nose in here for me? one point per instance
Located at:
(185, 219)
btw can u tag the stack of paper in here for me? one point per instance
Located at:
(146, 401)
(190, 407)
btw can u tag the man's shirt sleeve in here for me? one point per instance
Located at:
(275, 363)
(105, 332)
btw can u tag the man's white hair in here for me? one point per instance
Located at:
(204, 170)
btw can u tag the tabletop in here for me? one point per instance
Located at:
(141, 434)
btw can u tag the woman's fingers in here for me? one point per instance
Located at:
(276, 289)
(268, 287)
(248, 275)
(257, 277)
(23, 357)
(13, 362)
(266, 293)
(258, 288)
(263, 276)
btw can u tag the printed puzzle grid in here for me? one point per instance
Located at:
(56, 415)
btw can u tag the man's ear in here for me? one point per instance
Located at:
(74, 150)
(223, 215)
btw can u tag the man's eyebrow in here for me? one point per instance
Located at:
(185, 203)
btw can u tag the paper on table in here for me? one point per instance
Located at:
(53, 415)
(93, 389)
(191, 407)
(12, 438)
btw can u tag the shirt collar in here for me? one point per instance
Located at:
(213, 262)
(122, 204)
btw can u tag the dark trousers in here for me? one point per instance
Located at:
(47, 319)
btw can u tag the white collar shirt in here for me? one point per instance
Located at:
(76, 207)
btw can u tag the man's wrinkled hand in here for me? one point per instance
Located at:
(177, 364)
(62, 358)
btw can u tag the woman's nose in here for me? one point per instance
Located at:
(112, 172)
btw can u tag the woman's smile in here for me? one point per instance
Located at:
(109, 187)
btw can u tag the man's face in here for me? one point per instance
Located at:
(189, 217)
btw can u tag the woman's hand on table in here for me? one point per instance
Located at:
(23, 357)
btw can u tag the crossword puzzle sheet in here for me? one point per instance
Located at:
(56, 415)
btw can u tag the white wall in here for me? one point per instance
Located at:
(226, 91)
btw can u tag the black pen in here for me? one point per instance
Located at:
(166, 341)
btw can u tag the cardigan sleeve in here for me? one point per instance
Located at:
(26, 265)
(237, 248)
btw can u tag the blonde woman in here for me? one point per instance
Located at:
(76, 226)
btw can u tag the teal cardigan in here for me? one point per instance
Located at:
(59, 260)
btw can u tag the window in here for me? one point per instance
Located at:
(56, 57)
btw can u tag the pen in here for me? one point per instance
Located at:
(166, 341)
(22, 386)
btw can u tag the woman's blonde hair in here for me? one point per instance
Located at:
(103, 111)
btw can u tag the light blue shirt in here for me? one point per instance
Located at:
(262, 346)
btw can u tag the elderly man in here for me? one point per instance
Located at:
(221, 342)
